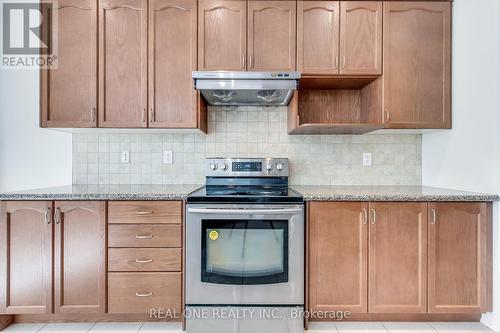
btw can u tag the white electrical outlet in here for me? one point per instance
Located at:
(125, 157)
(367, 159)
(167, 157)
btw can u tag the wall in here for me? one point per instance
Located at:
(30, 157)
(468, 157)
(247, 132)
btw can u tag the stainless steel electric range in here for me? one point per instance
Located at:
(245, 249)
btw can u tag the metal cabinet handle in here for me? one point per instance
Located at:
(336, 64)
(365, 216)
(343, 62)
(243, 61)
(48, 217)
(143, 116)
(151, 115)
(433, 220)
(374, 216)
(143, 261)
(387, 115)
(144, 294)
(144, 212)
(92, 114)
(144, 236)
(250, 62)
(57, 216)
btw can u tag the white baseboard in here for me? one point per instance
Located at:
(490, 321)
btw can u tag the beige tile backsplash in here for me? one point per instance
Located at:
(246, 132)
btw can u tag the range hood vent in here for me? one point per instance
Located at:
(246, 88)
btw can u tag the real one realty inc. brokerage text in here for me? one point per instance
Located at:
(246, 313)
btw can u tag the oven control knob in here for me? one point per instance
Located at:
(279, 166)
(223, 166)
(269, 167)
(213, 166)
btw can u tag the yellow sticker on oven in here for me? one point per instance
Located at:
(213, 235)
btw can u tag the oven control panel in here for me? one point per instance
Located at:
(246, 167)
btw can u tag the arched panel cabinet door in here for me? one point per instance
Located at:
(361, 37)
(318, 37)
(222, 35)
(123, 64)
(271, 35)
(26, 257)
(68, 95)
(417, 64)
(172, 59)
(80, 257)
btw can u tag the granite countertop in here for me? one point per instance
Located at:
(389, 193)
(104, 192)
(310, 193)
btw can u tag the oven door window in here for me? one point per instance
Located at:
(244, 252)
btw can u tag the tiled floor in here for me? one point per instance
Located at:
(338, 327)
(96, 328)
(386, 327)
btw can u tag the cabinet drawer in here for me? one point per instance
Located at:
(144, 260)
(144, 235)
(139, 292)
(145, 212)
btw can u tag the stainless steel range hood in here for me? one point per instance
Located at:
(246, 88)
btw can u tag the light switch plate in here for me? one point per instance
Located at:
(167, 157)
(367, 159)
(125, 157)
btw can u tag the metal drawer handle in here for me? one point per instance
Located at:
(48, 218)
(57, 217)
(433, 220)
(144, 236)
(365, 216)
(143, 261)
(144, 212)
(144, 294)
(374, 212)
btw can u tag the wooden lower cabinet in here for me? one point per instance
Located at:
(145, 257)
(399, 257)
(397, 275)
(140, 292)
(460, 257)
(26, 257)
(53, 257)
(338, 256)
(80, 257)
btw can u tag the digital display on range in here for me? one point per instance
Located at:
(247, 166)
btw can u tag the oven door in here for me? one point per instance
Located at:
(245, 254)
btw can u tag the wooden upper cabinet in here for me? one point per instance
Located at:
(417, 64)
(337, 248)
(397, 258)
(80, 257)
(271, 35)
(172, 58)
(318, 37)
(459, 257)
(222, 30)
(69, 93)
(361, 37)
(122, 63)
(26, 257)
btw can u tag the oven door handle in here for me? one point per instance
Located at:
(244, 211)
